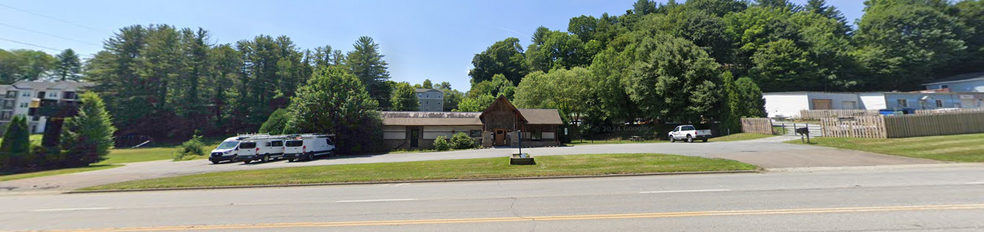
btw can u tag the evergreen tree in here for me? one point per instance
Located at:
(69, 66)
(88, 137)
(367, 64)
(16, 144)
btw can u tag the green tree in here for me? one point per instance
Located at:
(451, 96)
(499, 85)
(971, 14)
(335, 102)
(16, 144)
(427, 84)
(275, 123)
(367, 64)
(673, 79)
(88, 137)
(69, 66)
(783, 66)
(565, 90)
(404, 98)
(731, 115)
(475, 104)
(503, 57)
(751, 96)
(557, 49)
(902, 43)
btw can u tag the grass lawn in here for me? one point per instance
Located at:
(958, 148)
(740, 137)
(613, 141)
(56, 172)
(567, 165)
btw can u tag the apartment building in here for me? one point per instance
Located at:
(431, 100)
(17, 98)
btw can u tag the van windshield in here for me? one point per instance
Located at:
(227, 145)
(295, 143)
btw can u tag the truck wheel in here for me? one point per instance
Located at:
(690, 139)
(704, 140)
(215, 162)
(247, 161)
(672, 140)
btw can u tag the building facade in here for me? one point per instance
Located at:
(789, 104)
(970, 82)
(17, 99)
(431, 100)
(499, 125)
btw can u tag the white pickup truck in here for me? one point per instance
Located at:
(688, 133)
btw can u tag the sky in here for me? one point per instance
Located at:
(421, 39)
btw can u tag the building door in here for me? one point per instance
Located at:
(414, 137)
(500, 137)
(822, 104)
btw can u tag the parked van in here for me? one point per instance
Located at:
(231, 149)
(308, 146)
(267, 148)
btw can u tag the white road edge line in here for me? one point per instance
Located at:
(376, 200)
(982, 182)
(687, 191)
(70, 209)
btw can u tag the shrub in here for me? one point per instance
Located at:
(191, 149)
(275, 123)
(442, 144)
(88, 136)
(462, 141)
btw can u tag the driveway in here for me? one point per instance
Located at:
(767, 153)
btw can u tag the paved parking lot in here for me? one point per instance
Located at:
(767, 153)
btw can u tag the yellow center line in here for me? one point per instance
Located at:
(537, 218)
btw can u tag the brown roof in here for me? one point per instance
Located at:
(405, 118)
(541, 116)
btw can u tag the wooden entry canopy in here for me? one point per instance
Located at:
(535, 124)
(501, 115)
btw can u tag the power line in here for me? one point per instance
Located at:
(30, 44)
(43, 33)
(52, 18)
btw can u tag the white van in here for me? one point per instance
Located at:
(231, 149)
(308, 146)
(267, 148)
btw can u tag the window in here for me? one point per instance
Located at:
(247, 145)
(902, 103)
(6, 115)
(8, 104)
(23, 105)
(475, 133)
(939, 103)
(53, 94)
(537, 134)
(277, 143)
(295, 143)
(69, 95)
(26, 94)
(944, 86)
(35, 118)
(11, 94)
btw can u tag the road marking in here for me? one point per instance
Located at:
(540, 218)
(70, 209)
(376, 200)
(982, 182)
(401, 184)
(688, 191)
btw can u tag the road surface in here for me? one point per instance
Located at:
(766, 153)
(947, 197)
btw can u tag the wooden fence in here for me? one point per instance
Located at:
(819, 114)
(904, 126)
(756, 125)
(857, 127)
(947, 111)
(934, 124)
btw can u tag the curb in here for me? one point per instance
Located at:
(412, 181)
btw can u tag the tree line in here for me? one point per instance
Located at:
(709, 60)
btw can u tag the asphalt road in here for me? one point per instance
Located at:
(766, 153)
(899, 198)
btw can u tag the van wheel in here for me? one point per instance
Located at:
(310, 156)
(290, 160)
(690, 139)
(247, 161)
(215, 162)
(265, 158)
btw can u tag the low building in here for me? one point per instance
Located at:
(499, 125)
(431, 100)
(18, 97)
(789, 104)
(970, 82)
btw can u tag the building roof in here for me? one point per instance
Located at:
(541, 116)
(427, 90)
(44, 85)
(415, 118)
(959, 78)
